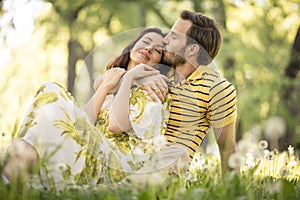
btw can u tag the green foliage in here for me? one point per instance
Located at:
(255, 53)
(203, 183)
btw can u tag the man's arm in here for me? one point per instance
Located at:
(226, 140)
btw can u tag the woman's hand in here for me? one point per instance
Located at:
(110, 79)
(150, 80)
(140, 71)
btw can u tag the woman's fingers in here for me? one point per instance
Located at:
(111, 78)
(97, 82)
(146, 70)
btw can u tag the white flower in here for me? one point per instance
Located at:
(275, 127)
(243, 146)
(269, 155)
(263, 144)
(291, 150)
(235, 160)
(266, 152)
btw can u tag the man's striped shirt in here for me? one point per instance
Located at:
(202, 100)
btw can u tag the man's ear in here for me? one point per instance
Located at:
(193, 49)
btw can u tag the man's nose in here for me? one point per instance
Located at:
(165, 40)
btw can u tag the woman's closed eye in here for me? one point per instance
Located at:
(158, 50)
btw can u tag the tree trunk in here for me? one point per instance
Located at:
(160, 16)
(73, 44)
(290, 96)
(143, 16)
(220, 14)
(198, 6)
(294, 65)
(72, 59)
(90, 68)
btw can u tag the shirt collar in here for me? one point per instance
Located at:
(196, 75)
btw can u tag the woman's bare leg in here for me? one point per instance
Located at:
(23, 159)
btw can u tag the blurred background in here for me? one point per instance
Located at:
(69, 42)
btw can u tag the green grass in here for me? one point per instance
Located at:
(259, 174)
(233, 186)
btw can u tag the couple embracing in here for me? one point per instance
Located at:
(150, 112)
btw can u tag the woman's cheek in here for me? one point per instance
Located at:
(157, 58)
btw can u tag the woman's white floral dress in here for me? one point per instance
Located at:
(73, 150)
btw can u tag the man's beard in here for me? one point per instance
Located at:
(174, 58)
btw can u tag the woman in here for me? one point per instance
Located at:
(62, 138)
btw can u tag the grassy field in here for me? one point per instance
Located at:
(259, 174)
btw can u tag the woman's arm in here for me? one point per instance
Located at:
(93, 106)
(119, 111)
(109, 81)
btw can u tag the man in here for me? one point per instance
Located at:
(201, 98)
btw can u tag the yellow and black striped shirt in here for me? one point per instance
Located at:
(202, 100)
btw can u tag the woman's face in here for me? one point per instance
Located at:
(148, 49)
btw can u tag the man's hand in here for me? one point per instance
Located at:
(156, 86)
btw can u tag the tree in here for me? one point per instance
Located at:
(290, 94)
(87, 17)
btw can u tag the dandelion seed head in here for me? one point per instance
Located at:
(243, 146)
(275, 127)
(235, 160)
(263, 144)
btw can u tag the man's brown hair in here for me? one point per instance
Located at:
(206, 33)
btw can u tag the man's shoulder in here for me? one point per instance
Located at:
(211, 76)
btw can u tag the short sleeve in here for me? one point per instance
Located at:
(222, 105)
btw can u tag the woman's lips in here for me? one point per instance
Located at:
(145, 54)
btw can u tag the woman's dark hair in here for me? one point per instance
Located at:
(123, 59)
